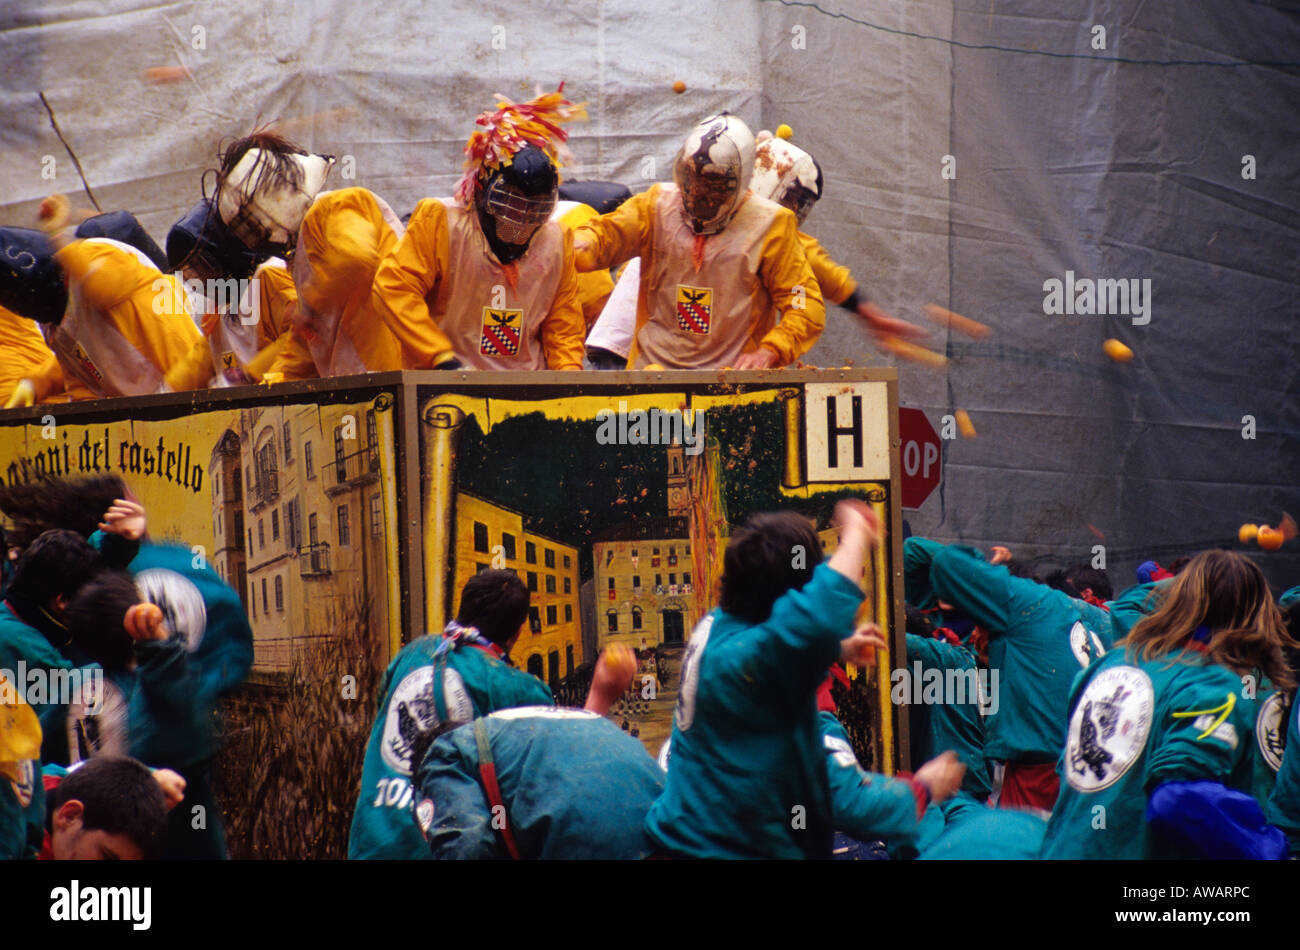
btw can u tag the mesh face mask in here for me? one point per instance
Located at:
(799, 200)
(517, 216)
(706, 195)
(266, 196)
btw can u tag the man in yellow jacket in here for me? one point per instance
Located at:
(791, 177)
(269, 198)
(486, 280)
(245, 303)
(22, 350)
(715, 260)
(594, 287)
(241, 343)
(122, 322)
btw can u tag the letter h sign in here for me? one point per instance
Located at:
(846, 431)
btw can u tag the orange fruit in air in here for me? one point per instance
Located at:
(1117, 351)
(166, 73)
(1269, 539)
(964, 424)
(1247, 533)
(620, 660)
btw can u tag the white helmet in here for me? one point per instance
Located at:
(786, 174)
(712, 171)
(265, 196)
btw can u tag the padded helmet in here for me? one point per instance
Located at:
(786, 174)
(263, 198)
(202, 246)
(713, 170)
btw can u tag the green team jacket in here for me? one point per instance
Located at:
(1134, 604)
(573, 785)
(1133, 727)
(1039, 639)
(748, 775)
(475, 683)
(959, 726)
(867, 806)
(989, 834)
(22, 804)
(163, 712)
(1283, 807)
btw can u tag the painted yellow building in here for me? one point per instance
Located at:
(313, 544)
(226, 478)
(492, 535)
(643, 582)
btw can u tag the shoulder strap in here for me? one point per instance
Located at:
(487, 770)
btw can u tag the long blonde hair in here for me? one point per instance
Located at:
(1226, 593)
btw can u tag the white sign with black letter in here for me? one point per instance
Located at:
(846, 428)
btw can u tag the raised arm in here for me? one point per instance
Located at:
(616, 237)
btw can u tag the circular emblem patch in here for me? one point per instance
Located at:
(1109, 728)
(1268, 731)
(684, 715)
(182, 605)
(1084, 644)
(412, 712)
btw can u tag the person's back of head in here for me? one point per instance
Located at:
(918, 622)
(96, 617)
(75, 504)
(1018, 568)
(54, 565)
(1079, 579)
(1220, 600)
(496, 603)
(772, 553)
(110, 808)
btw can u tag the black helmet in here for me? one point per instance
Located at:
(125, 227)
(31, 281)
(201, 243)
(516, 200)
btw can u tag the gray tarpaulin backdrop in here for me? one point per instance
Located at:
(1117, 162)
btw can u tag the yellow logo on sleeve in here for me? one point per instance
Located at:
(1211, 719)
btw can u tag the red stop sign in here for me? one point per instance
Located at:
(920, 455)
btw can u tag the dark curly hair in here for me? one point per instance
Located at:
(72, 504)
